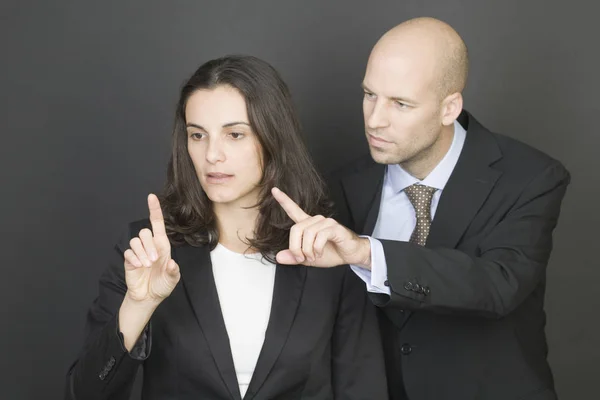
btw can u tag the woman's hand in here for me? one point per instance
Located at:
(150, 273)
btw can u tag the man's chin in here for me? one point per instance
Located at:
(382, 157)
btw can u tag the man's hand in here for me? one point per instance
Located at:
(317, 241)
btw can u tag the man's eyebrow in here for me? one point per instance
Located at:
(364, 87)
(397, 98)
(403, 100)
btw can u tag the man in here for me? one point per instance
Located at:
(459, 223)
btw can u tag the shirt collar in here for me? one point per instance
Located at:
(400, 179)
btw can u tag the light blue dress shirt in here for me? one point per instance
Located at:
(397, 219)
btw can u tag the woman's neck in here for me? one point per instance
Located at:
(236, 225)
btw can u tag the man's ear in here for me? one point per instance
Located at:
(451, 108)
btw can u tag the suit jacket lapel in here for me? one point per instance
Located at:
(468, 187)
(363, 191)
(199, 283)
(465, 192)
(287, 293)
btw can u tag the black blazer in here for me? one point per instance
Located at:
(322, 339)
(465, 319)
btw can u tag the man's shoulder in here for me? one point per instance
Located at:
(516, 150)
(516, 155)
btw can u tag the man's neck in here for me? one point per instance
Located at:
(422, 165)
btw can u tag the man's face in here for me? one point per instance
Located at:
(401, 106)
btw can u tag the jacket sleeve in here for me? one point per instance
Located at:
(511, 263)
(358, 363)
(105, 369)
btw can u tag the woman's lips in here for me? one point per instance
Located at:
(218, 178)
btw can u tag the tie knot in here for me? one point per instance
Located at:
(420, 197)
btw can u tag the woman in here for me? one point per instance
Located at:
(198, 300)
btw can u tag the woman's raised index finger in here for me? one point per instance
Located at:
(156, 216)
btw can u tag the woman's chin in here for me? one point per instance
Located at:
(221, 198)
(223, 195)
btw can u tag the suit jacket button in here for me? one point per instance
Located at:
(386, 283)
(427, 291)
(408, 286)
(406, 349)
(102, 376)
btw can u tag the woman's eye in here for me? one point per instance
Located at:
(196, 136)
(236, 135)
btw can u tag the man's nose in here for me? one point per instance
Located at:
(378, 118)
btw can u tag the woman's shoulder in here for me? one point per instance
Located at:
(333, 276)
(134, 227)
(333, 282)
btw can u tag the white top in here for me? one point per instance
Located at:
(397, 218)
(245, 286)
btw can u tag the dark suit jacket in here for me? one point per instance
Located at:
(322, 339)
(465, 319)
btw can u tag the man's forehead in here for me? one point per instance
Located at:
(398, 67)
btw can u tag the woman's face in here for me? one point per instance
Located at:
(224, 149)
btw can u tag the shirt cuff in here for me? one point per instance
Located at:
(376, 278)
(141, 348)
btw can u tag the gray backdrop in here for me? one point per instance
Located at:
(88, 90)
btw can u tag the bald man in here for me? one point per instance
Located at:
(453, 229)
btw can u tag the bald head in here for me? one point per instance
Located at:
(432, 44)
